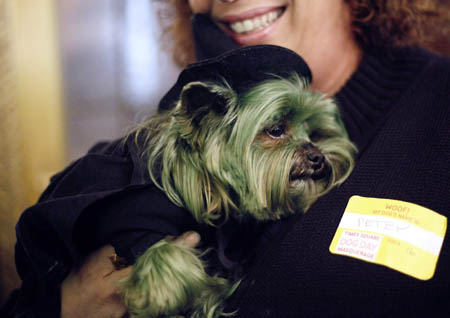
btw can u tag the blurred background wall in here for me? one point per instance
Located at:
(32, 138)
(73, 72)
(113, 67)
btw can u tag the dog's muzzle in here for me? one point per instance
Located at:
(308, 162)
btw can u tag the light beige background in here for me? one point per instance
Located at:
(72, 72)
(32, 137)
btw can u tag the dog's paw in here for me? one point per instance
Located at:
(170, 279)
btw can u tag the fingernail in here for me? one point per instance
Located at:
(192, 236)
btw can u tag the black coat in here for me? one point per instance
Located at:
(106, 197)
(397, 109)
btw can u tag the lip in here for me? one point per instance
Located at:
(248, 14)
(310, 174)
(254, 37)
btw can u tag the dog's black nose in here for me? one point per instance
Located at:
(308, 162)
(315, 157)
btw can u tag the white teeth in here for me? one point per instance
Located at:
(256, 23)
(248, 24)
(264, 19)
(272, 16)
(238, 27)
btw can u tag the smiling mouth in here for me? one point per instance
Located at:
(256, 23)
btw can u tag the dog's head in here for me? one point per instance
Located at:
(268, 152)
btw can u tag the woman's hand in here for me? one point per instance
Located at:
(90, 291)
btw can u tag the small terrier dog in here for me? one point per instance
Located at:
(265, 153)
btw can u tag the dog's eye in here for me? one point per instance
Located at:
(276, 131)
(316, 135)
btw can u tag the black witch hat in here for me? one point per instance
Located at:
(241, 68)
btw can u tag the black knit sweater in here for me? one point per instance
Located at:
(396, 107)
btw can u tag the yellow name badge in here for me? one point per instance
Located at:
(400, 235)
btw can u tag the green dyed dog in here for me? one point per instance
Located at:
(266, 153)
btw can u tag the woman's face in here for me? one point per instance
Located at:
(300, 25)
(318, 30)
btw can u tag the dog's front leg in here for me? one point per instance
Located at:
(170, 279)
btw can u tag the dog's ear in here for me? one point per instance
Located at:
(198, 99)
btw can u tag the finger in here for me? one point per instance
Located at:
(117, 307)
(96, 263)
(105, 251)
(190, 239)
(119, 274)
(99, 261)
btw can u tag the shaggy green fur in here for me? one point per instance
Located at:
(170, 279)
(210, 155)
(211, 162)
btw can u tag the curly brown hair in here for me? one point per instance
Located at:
(175, 18)
(398, 22)
(375, 23)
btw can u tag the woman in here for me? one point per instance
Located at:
(293, 25)
(394, 104)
